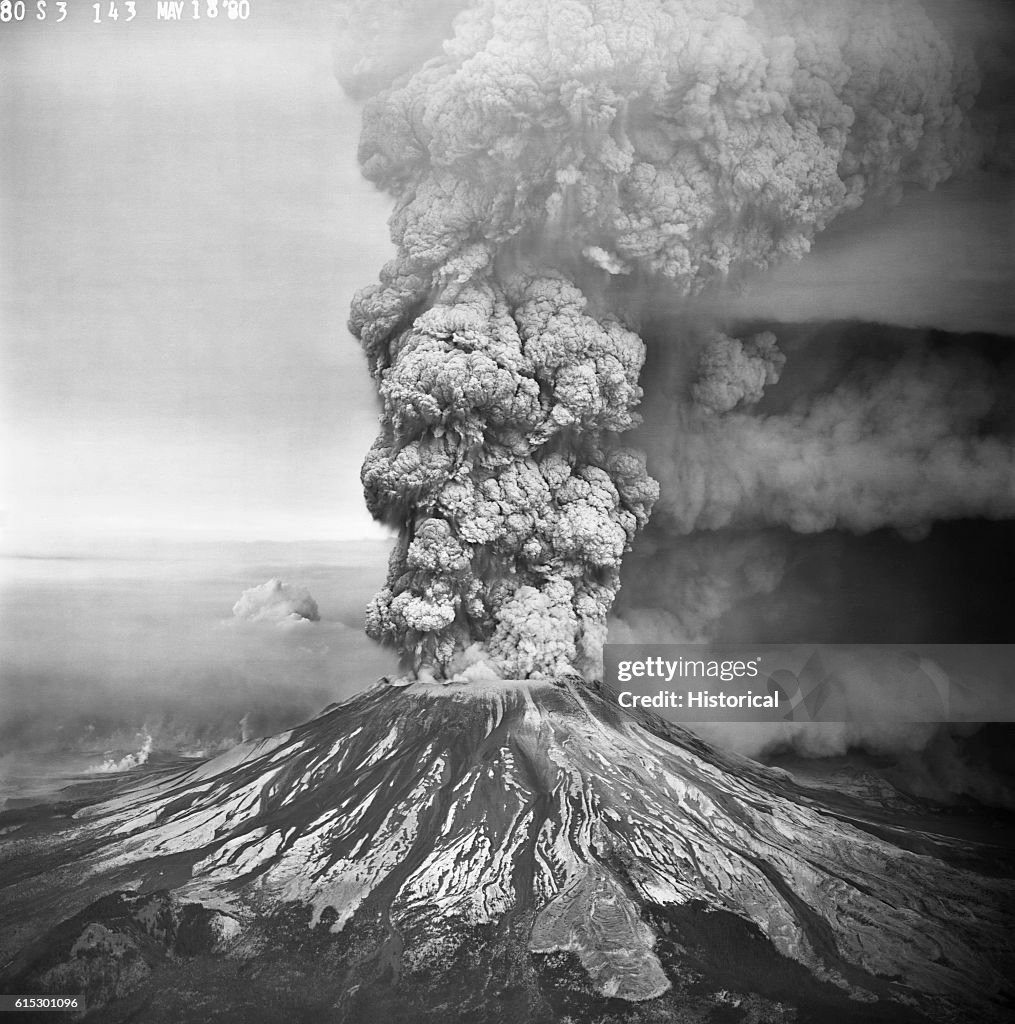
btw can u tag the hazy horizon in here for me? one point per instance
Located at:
(100, 650)
(184, 226)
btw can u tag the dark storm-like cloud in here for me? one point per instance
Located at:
(900, 441)
(547, 162)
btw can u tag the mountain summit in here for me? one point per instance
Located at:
(519, 851)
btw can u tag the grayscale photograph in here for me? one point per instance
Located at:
(507, 511)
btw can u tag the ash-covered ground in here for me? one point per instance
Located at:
(507, 851)
(115, 660)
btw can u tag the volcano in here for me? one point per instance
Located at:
(501, 851)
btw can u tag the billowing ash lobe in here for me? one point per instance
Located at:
(499, 462)
(898, 441)
(552, 161)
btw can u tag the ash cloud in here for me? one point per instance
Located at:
(734, 373)
(100, 650)
(128, 761)
(947, 764)
(686, 592)
(277, 602)
(901, 441)
(554, 164)
(500, 466)
(941, 260)
(949, 767)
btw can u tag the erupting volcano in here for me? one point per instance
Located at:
(505, 852)
(488, 837)
(560, 170)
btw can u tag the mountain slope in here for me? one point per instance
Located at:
(457, 850)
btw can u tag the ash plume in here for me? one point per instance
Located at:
(278, 603)
(499, 463)
(734, 373)
(683, 591)
(128, 761)
(900, 443)
(551, 164)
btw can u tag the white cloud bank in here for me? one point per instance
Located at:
(276, 602)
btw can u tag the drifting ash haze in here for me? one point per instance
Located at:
(573, 184)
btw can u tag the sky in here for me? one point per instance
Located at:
(183, 226)
(943, 259)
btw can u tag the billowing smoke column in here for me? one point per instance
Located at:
(499, 462)
(553, 159)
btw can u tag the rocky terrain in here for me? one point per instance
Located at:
(497, 851)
